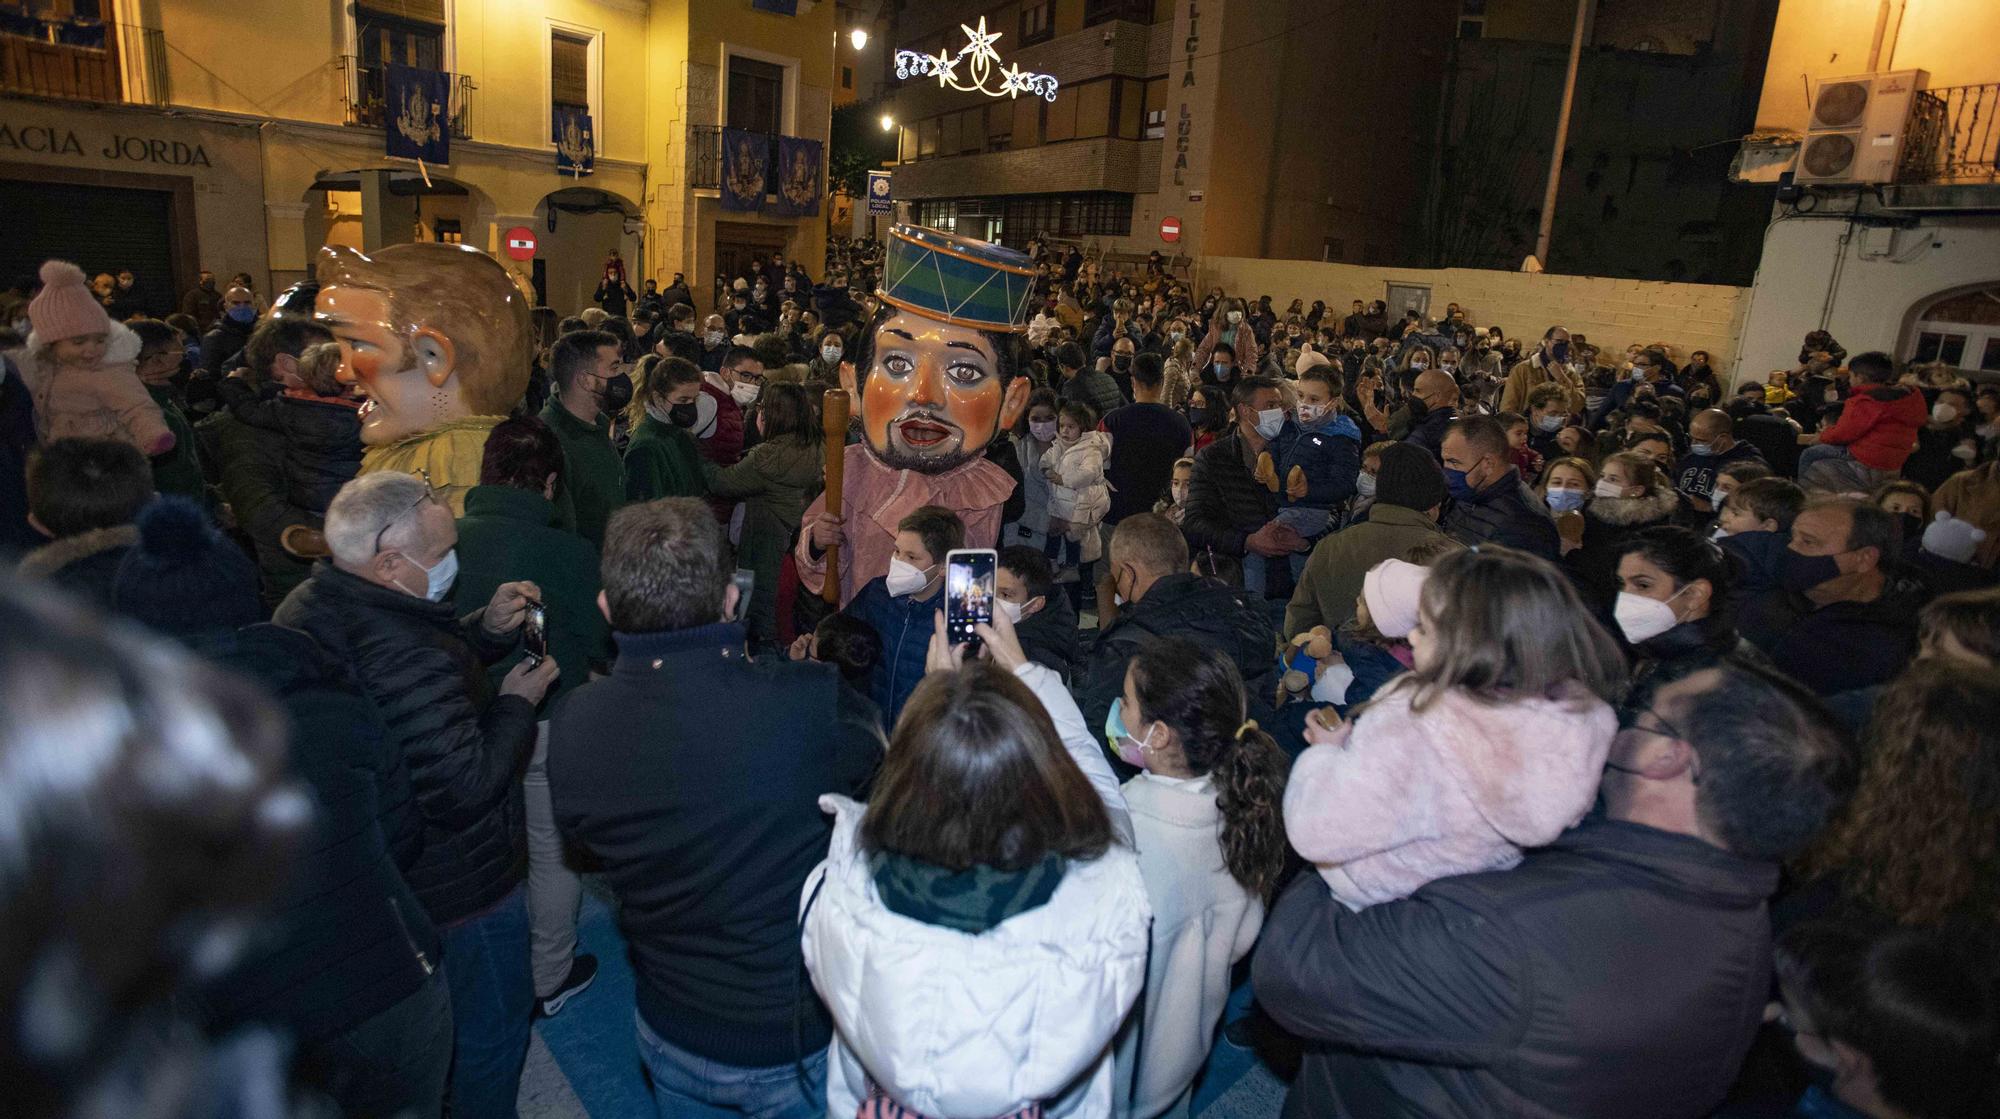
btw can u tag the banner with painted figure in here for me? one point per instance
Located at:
(798, 176)
(576, 149)
(745, 160)
(417, 116)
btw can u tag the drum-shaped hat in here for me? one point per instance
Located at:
(956, 279)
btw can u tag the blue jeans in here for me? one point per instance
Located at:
(686, 1086)
(492, 999)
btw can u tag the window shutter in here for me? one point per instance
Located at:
(569, 70)
(422, 11)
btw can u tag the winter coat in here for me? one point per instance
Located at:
(179, 470)
(1531, 373)
(1763, 556)
(105, 402)
(592, 485)
(322, 441)
(1327, 457)
(1049, 635)
(1332, 578)
(1607, 523)
(1427, 431)
(247, 465)
(510, 534)
(1248, 352)
(1974, 496)
(961, 1026)
(1533, 991)
(17, 441)
(1874, 641)
(1879, 425)
(222, 348)
(1204, 921)
(776, 481)
(465, 746)
(692, 776)
(84, 565)
(1208, 612)
(662, 461)
(1035, 492)
(1226, 503)
(1094, 388)
(905, 625)
(1507, 513)
(1407, 797)
(1694, 475)
(346, 939)
(1078, 493)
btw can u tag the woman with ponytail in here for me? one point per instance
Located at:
(1207, 814)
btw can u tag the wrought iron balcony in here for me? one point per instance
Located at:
(705, 150)
(81, 59)
(1954, 132)
(368, 97)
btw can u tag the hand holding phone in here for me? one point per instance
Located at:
(970, 581)
(535, 633)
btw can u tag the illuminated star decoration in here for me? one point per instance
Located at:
(984, 65)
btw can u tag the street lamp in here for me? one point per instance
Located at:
(888, 123)
(859, 37)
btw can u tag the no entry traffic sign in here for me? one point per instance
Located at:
(521, 243)
(1170, 230)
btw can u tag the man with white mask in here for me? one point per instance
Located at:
(381, 604)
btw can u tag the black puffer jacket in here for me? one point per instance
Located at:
(1207, 612)
(1506, 512)
(1608, 522)
(1533, 991)
(1226, 503)
(465, 746)
(322, 441)
(347, 938)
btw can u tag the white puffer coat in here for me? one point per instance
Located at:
(962, 1026)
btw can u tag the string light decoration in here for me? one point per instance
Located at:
(981, 69)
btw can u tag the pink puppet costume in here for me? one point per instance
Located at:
(937, 371)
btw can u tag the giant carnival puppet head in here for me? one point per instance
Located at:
(430, 332)
(938, 363)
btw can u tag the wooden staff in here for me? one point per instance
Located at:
(833, 424)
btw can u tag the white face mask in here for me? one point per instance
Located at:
(829, 354)
(1364, 484)
(1643, 618)
(1311, 413)
(713, 338)
(1270, 422)
(1608, 488)
(1011, 609)
(1235, 317)
(1943, 413)
(438, 577)
(744, 393)
(905, 578)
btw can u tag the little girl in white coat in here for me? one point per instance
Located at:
(1494, 742)
(1206, 814)
(1079, 497)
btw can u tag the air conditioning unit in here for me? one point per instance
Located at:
(1855, 134)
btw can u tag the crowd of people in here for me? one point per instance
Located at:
(1535, 727)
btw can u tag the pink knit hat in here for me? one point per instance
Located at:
(1392, 590)
(66, 306)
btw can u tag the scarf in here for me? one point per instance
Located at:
(970, 901)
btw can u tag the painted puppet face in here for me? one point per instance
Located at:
(404, 372)
(933, 397)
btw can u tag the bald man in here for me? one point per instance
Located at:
(1433, 405)
(1712, 445)
(222, 348)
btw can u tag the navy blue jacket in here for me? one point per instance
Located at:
(905, 626)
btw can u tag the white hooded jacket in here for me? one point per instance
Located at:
(962, 1026)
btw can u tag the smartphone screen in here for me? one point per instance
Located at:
(535, 633)
(969, 587)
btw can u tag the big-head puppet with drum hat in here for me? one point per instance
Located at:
(937, 384)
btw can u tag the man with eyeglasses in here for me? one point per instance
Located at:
(380, 605)
(1620, 971)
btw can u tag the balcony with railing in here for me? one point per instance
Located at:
(705, 157)
(367, 94)
(1951, 150)
(80, 59)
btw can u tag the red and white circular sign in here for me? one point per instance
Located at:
(521, 243)
(1170, 230)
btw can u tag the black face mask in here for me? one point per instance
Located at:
(1120, 362)
(683, 415)
(617, 393)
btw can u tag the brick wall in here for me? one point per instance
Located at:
(1612, 312)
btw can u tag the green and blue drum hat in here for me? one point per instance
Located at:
(957, 279)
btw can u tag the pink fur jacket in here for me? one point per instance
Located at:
(1406, 798)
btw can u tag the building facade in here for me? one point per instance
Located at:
(1138, 146)
(172, 135)
(1911, 265)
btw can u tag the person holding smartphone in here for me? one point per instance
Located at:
(899, 604)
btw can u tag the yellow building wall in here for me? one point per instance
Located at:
(1817, 39)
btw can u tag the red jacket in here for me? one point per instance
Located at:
(1879, 425)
